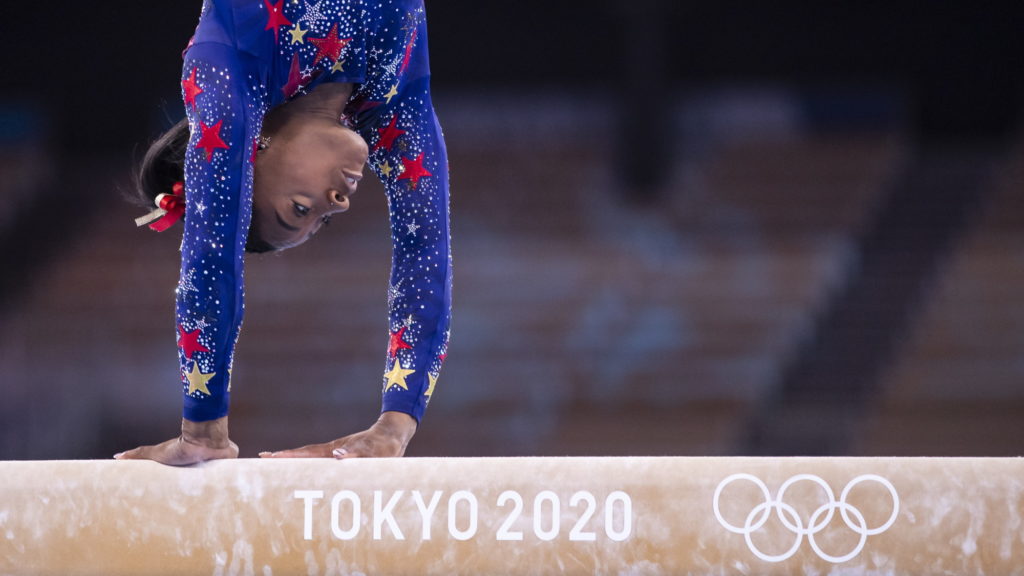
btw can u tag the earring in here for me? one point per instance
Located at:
(263, 143)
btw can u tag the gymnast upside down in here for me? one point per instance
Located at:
(286, 104)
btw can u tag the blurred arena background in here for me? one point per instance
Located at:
(680, 228)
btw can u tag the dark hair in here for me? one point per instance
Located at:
(164, 164)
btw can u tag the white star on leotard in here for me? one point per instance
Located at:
(312, 14)
(394, 293)
(187, 284)
(392, 67)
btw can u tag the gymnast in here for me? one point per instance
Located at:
(286, 102)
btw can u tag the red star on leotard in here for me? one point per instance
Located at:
(413, 170)
(397, 343)
(275, 17)
(388, 135)
(210, 139)
(191, 89)
(189, 342)
(294, 78)
(408, 52)
(330, 46)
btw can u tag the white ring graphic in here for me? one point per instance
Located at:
(788, 516)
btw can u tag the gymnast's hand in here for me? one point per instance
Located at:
(199, 441)
(388, 437)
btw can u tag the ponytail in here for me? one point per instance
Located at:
(164, 165)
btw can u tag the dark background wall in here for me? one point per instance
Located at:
(100, 68)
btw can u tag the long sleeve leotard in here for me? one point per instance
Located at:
(248, 56)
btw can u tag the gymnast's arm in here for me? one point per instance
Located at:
(409, 156)
(407, 153)
(225, 120)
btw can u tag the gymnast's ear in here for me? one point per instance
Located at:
(162, 166)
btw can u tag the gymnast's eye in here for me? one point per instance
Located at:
(300, 210)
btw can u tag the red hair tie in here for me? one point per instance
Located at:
(170, 208)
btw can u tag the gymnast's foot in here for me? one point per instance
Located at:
(388, 437)
(199, 441)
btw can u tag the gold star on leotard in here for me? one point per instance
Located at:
(298, 34)
(197, 380)
(386, 169)
(337, 67)
(391, 93)
(396, 376)
(433, 383)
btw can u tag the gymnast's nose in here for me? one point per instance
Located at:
(338, 200)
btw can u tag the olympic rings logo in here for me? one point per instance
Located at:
(852, 517)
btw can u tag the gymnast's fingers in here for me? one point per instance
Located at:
(367, 445)
(345, 453)
(139, 453)
(309, 451)
(176, 452)
(165, 453)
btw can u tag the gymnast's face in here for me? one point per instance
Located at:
(301, 179)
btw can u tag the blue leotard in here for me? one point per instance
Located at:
(250, 55)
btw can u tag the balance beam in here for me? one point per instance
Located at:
(512, 516)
